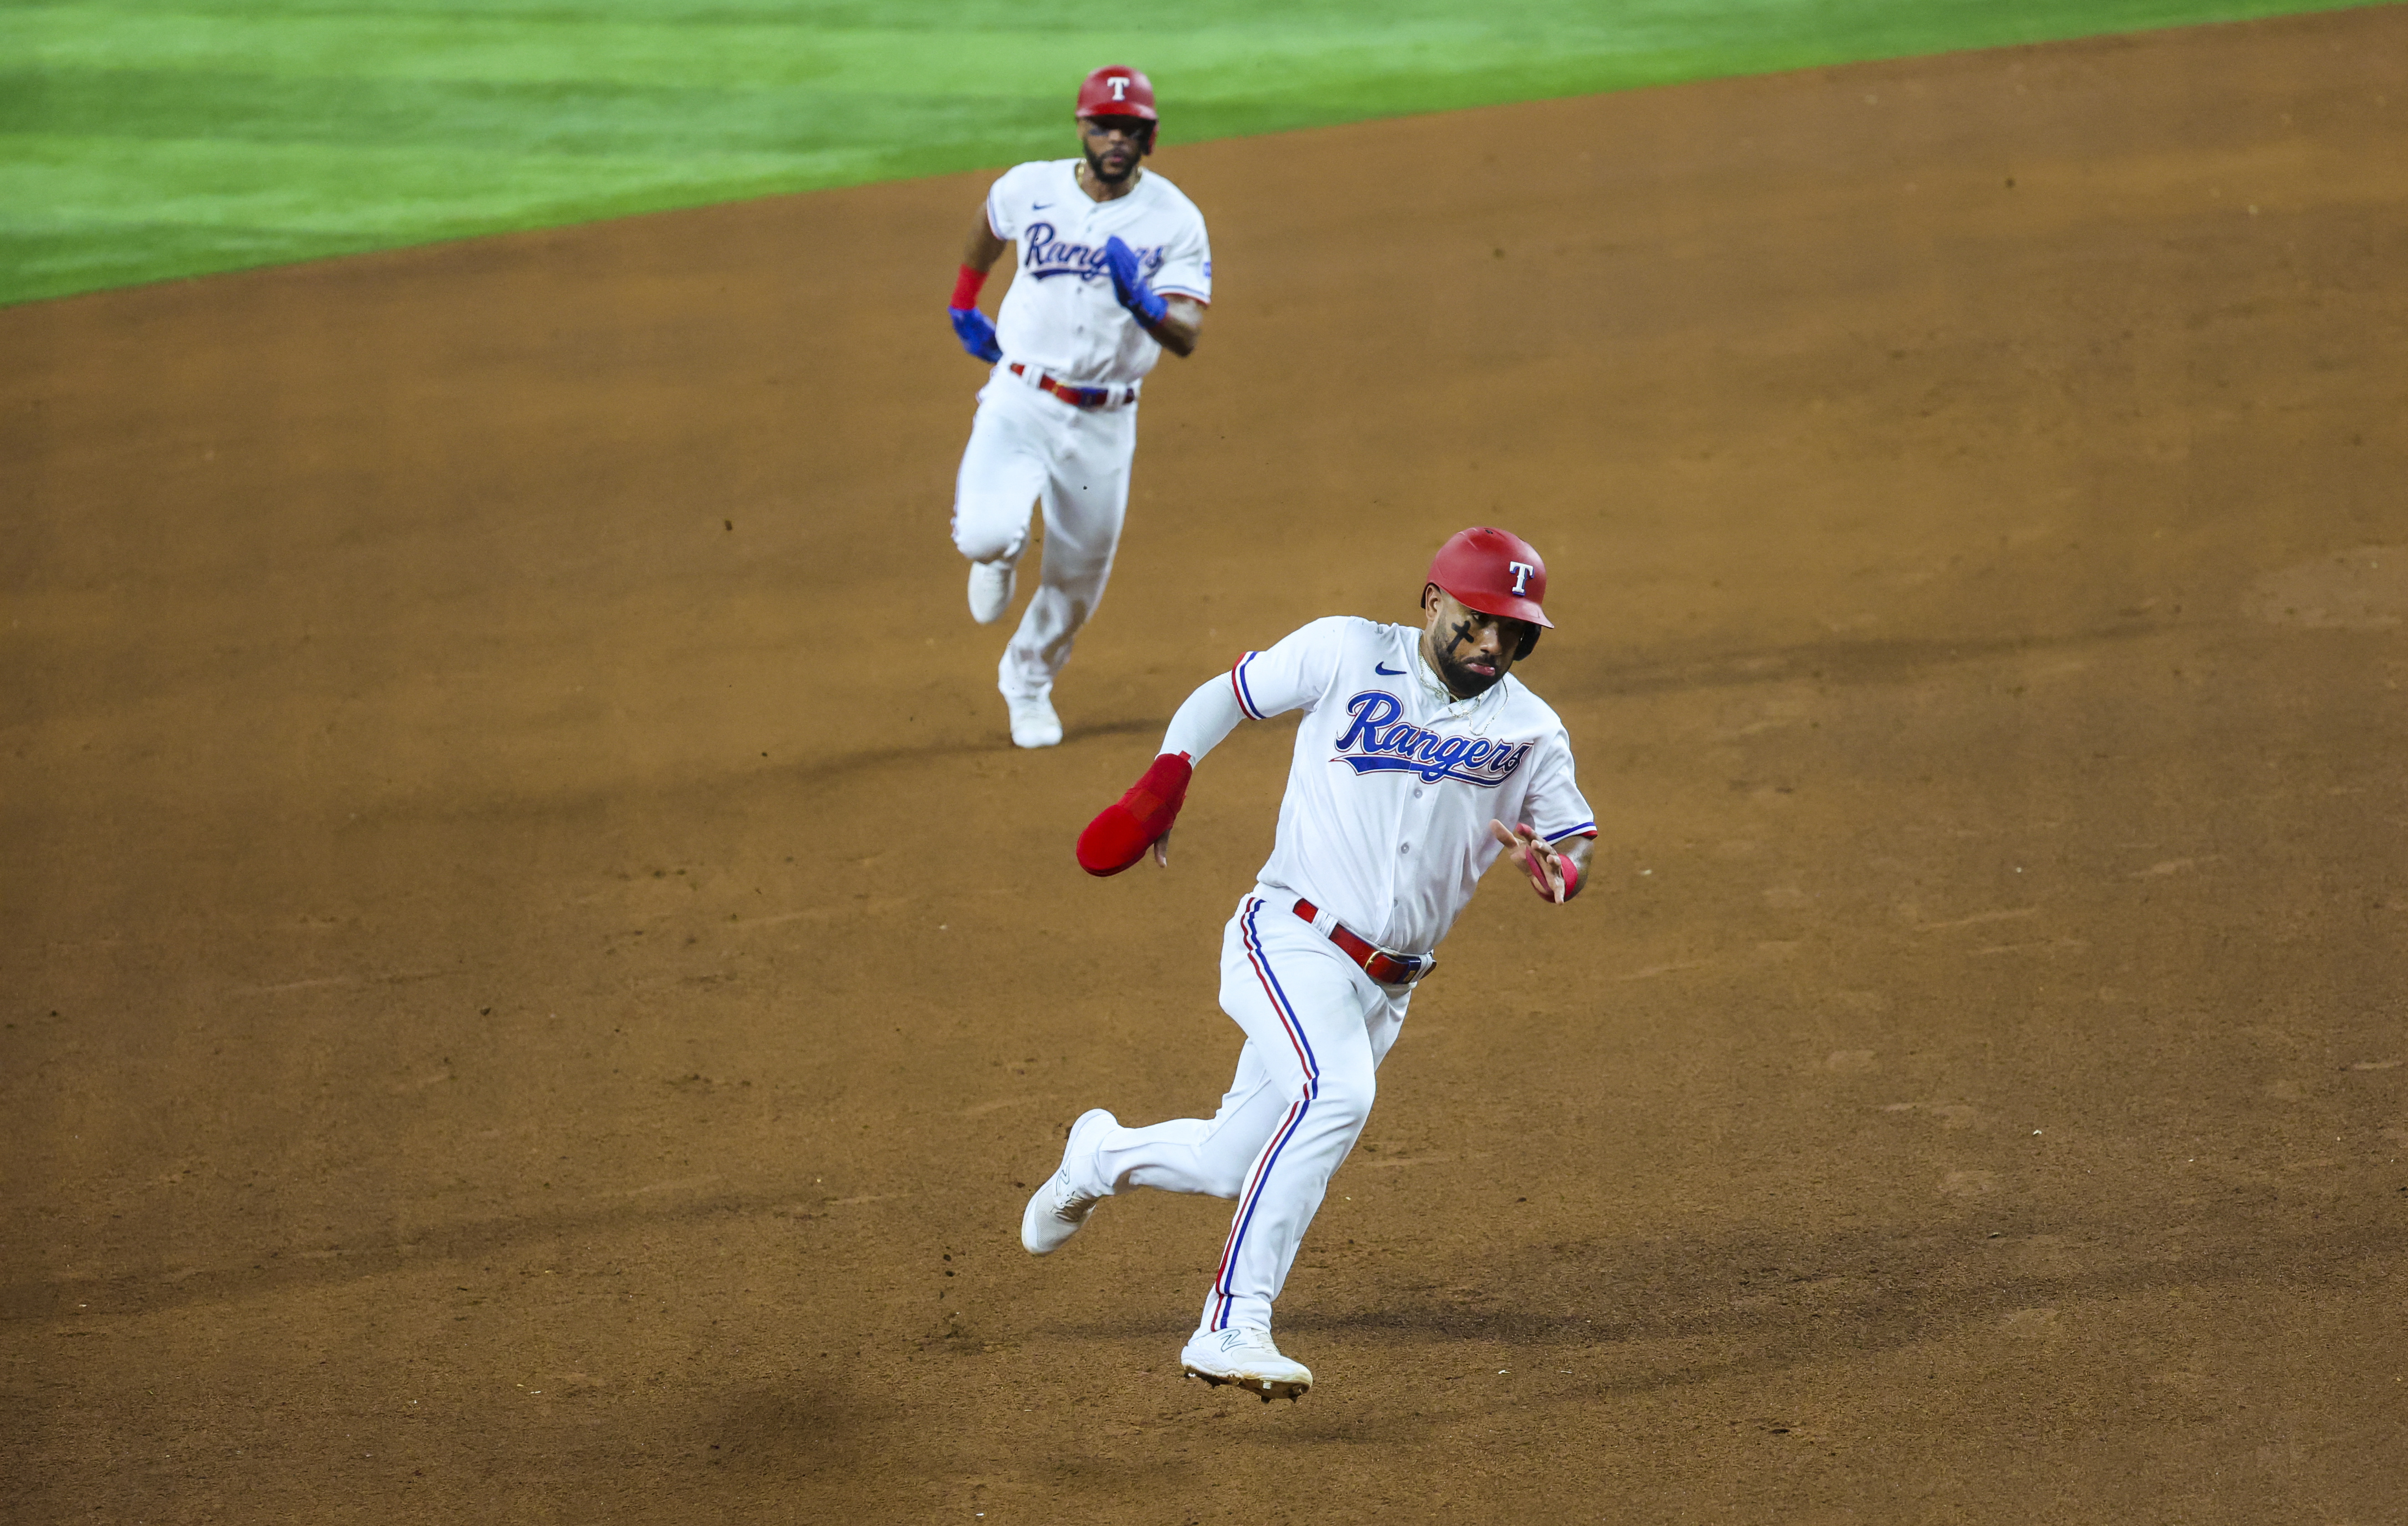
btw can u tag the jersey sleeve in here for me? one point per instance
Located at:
(1186, 269)
(1295, 673)
(1005, 200)
(1558, 812)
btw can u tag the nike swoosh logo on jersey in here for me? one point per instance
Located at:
(1384, 667)
(1038, 206)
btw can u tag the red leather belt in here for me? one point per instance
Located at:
(1384, 966)
(1077, 396)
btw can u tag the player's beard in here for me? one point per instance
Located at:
(1095, 167)
(1461, 680)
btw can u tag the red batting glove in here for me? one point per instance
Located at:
(1530, 851)
(1571, 873)
(1121, 833)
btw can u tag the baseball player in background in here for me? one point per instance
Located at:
(1114, 269)
(1417, 747)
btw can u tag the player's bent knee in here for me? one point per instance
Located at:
(986, 541)
(991, 527)
(1348, 1103)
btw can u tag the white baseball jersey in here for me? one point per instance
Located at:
(1060, 314)
(1395, 779)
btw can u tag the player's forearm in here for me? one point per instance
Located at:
(1209, 714)
(1578, 849)
(1181, 326)
(982, 248)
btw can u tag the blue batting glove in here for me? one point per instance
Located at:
(977, 331)
(1128, 283)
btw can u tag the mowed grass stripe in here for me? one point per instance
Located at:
(152, 140)
(303, 184)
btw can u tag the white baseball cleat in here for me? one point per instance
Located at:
(1059, 1209)
(1246, 1356)
(991, 585)
(1034, 723)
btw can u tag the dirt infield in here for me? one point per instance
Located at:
(535, 980)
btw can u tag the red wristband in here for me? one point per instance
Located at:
(966, 287)
(1571, 873)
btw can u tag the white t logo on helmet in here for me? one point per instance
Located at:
(1521, 571)
(1120, 87)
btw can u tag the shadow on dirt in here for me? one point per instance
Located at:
(804, 1428)
(1668, 1315)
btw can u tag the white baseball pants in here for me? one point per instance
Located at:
(1029, 447)
(1316, 1031)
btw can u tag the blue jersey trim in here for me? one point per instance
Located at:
(1245, 696)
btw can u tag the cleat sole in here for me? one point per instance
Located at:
(1264, 1388)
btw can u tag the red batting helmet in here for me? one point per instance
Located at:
(1495, 573)
(1116, 92)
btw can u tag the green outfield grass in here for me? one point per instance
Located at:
(141, 140)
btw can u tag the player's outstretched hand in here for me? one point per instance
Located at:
(1552, 875)
(1138, 820)
(1128, 282)
(977, 331)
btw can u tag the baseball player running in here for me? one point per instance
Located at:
(1418, 746)
(1114, 269)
